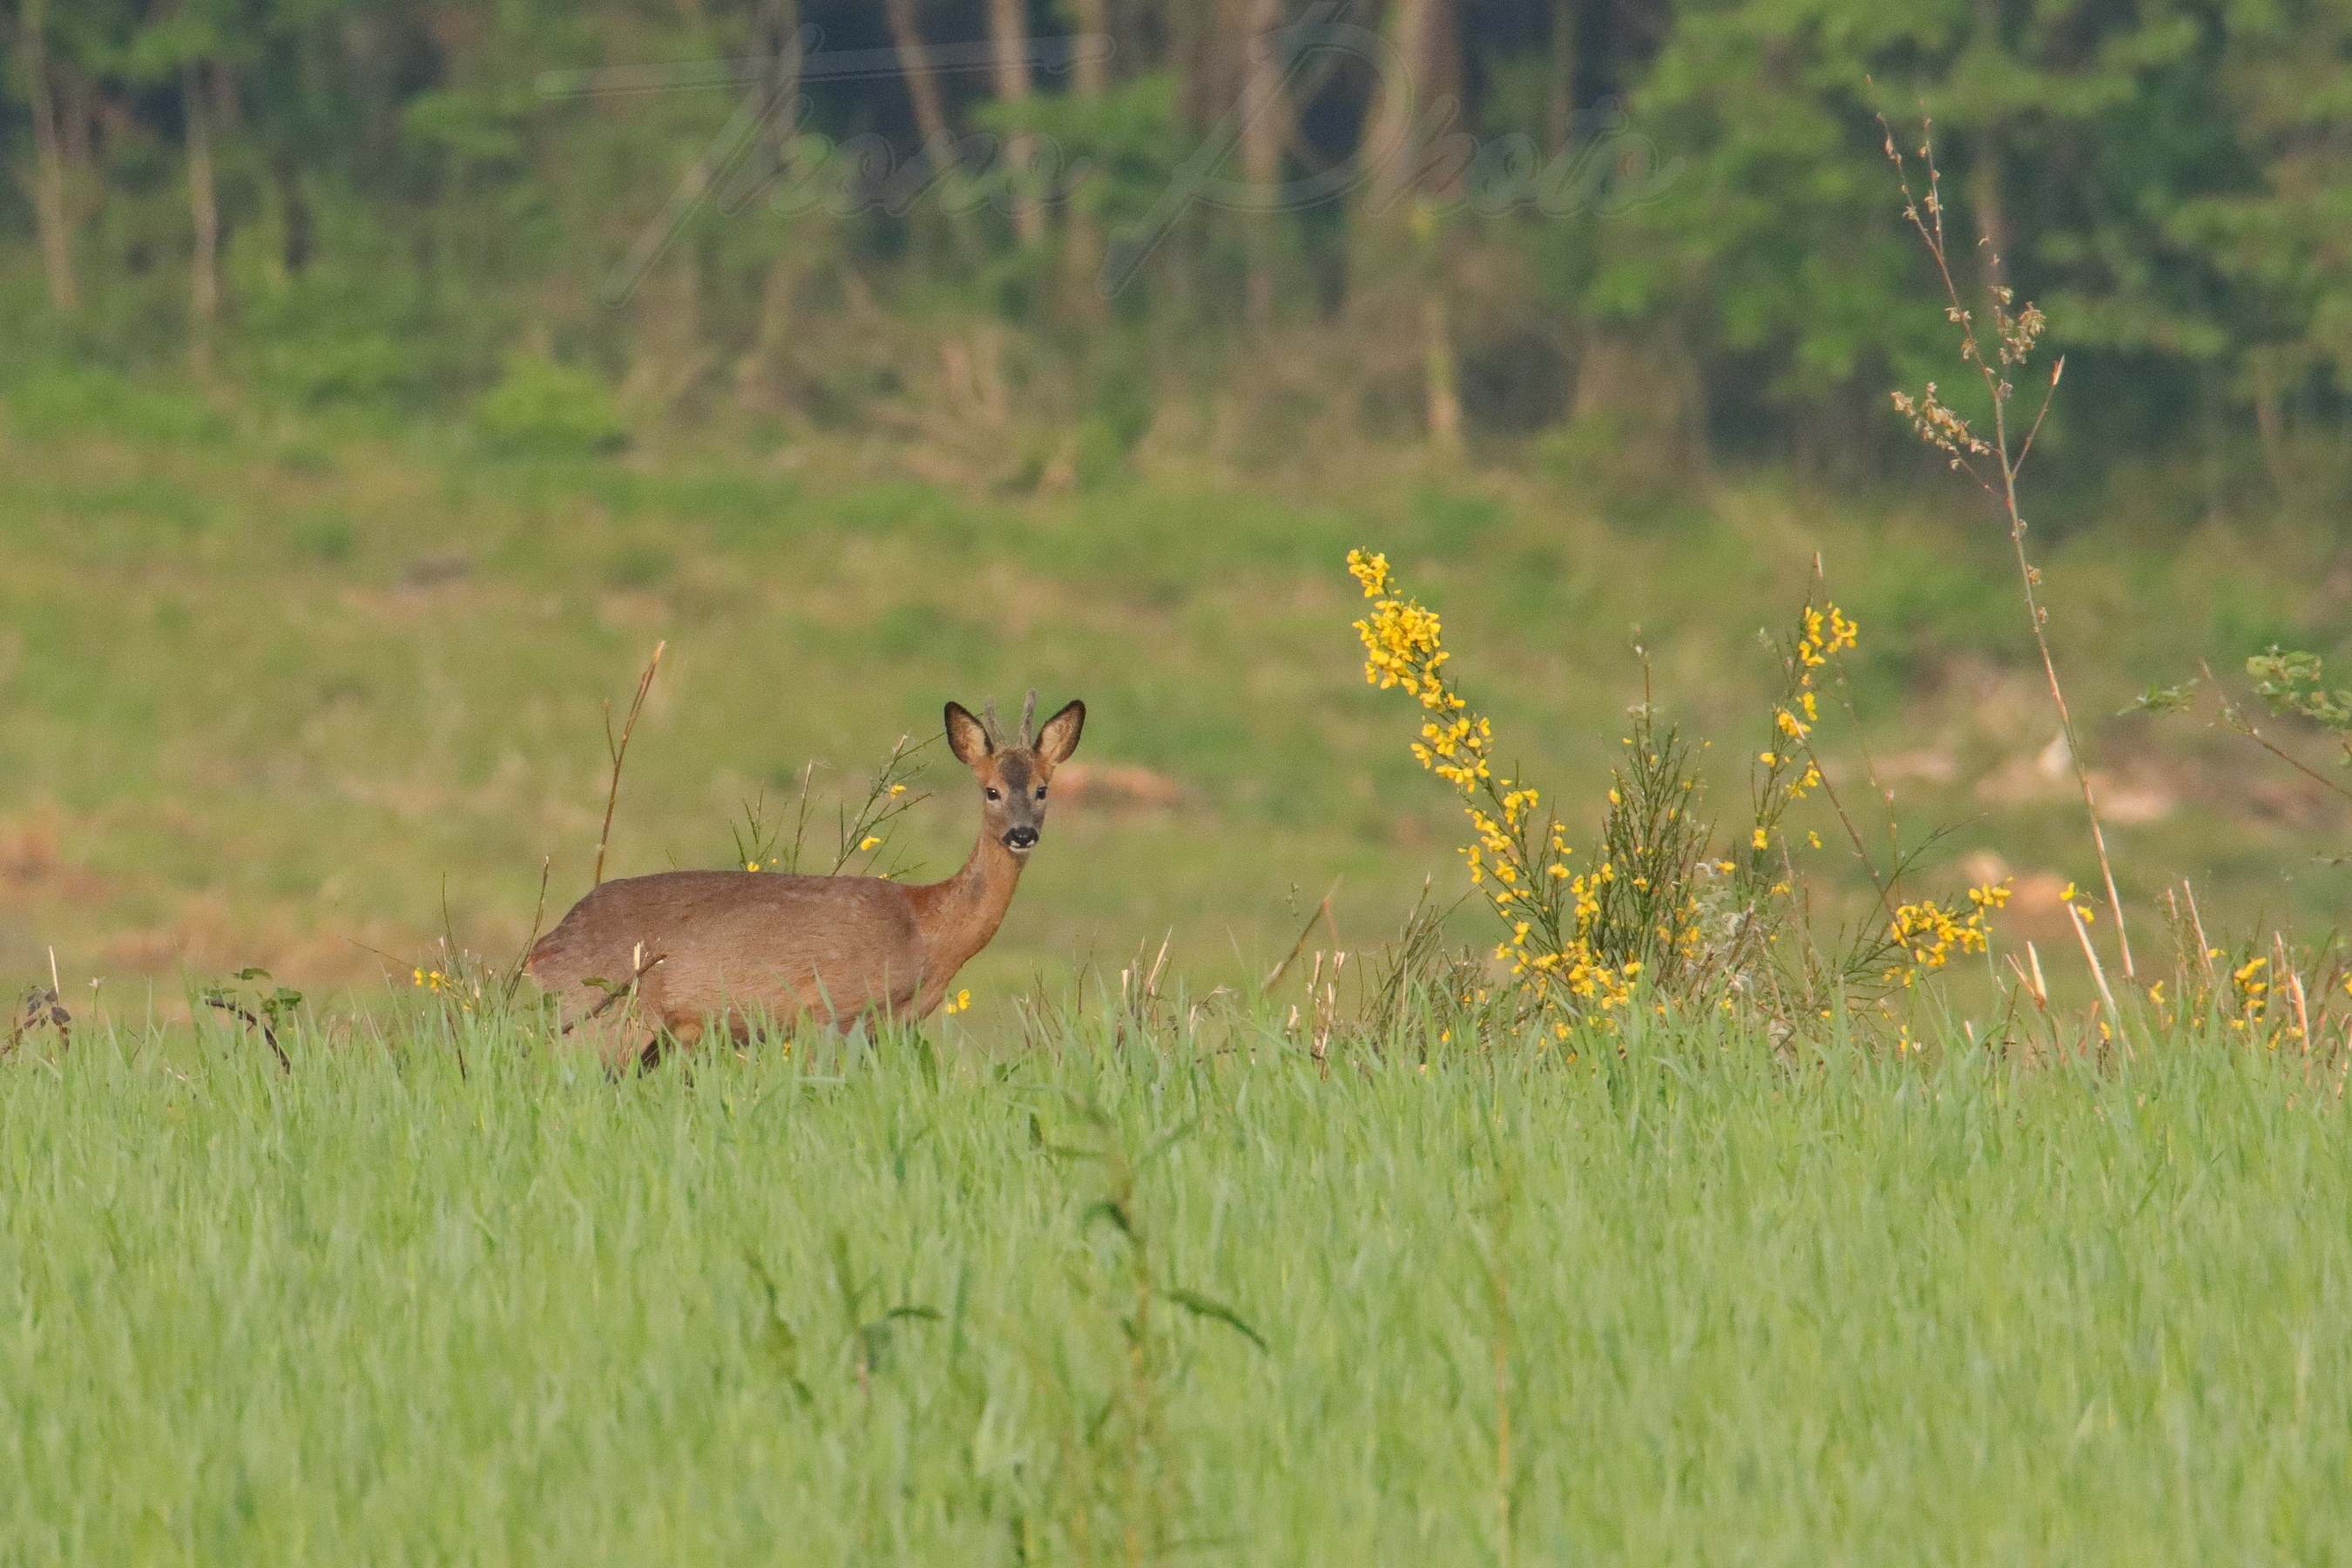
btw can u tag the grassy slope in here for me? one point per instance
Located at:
(1859, 1311)
(272, 688)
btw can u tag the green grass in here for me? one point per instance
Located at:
(1836, 1309)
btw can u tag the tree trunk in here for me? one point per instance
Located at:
(1407, 242)
(52, 205)
(1985, 186)
(1265, 132)
(2270, 421)
(1441, 374)
(780, 86)
(1192, 55)
(1424, 72)
(1008, 26)
(1084, 250)
(779, 82)
(922, 82)
(1560, 113)
(203, 218)
(1986, 197)
(939, 156)
(1091, 71)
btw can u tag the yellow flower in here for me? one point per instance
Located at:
(750, 864)
(1767, 759)
(869, 842)
(897, 789)
(963, 1002)
(1761, 839)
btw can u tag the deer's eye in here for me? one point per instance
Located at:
(1041, 792)
(993, 793)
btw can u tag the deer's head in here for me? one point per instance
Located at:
(1014, 773)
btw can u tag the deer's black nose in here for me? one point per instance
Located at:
(1021, 838)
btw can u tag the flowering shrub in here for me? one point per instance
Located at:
(1925, 934)
(1557, 941)
(1656, 911)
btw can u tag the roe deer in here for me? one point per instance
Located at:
(662, 957)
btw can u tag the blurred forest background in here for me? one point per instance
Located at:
(398, 204)
(382, 377)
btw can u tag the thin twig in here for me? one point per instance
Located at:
(1885, 897)
(2197, 924)
(537, 914)
(269, 1035)
(39, 1008)
(2049, 394)
(2294, 989)
(1322, 911)
(616, 993)
(2039, 618)
(2234, 718)
(618, 750)
(2091, 957)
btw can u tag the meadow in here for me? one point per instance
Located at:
(1233, 1263)
(1634, 966)
(444, 1295)
(306, 692)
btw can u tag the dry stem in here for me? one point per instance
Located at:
(1931, 229)
(269, 1035)
(617, 748)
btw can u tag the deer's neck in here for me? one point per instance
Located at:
(959, 915)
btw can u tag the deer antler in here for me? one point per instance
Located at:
(988, 722)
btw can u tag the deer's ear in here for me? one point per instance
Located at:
(966, 738)
(1059, 738)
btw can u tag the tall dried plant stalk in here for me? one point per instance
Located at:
(616, 747)
(1992, 464)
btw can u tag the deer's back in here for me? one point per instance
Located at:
(737, 945)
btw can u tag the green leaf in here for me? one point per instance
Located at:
(1170, 1142)
(1207, 1307)
(2162, 699)
(1108, 1210)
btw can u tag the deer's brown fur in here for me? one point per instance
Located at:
(681, 951)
